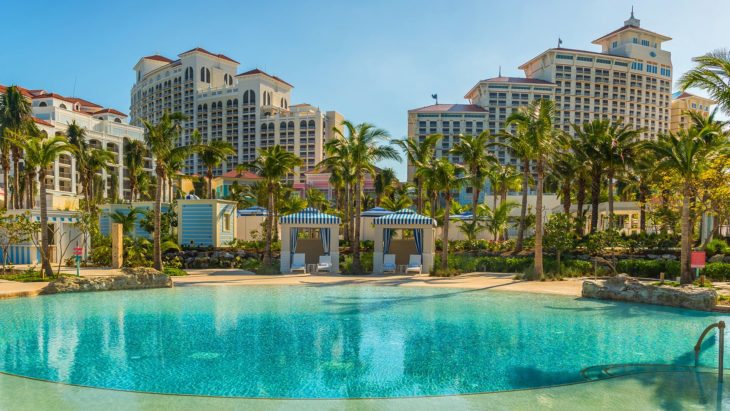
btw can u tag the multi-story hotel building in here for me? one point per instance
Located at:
(629, 79)
(105, 128)
(682, 102)
(250, 110)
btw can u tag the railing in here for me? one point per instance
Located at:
(721, 349)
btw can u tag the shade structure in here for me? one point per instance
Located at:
(404, 217)
(367, 229)
(253, 211)
(309, 216)
(375, 212)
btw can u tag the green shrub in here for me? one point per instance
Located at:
(648, 268)
(717, 271)
(174, 271)
(366, 262)
(716, 246)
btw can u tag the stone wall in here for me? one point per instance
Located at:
(625, 288)
(132, 279)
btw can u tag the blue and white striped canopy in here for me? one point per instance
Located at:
(309, 216)
(404, 217)
(375, 212)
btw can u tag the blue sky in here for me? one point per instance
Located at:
(370, 60)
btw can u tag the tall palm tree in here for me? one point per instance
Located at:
(160, 139)
(445, 177)
(134, 153)
(711, 74)
(476, 159)
(272, 164)
(518, 142)
(684, 154)
(361, 146)
(212, 155)
(617, 150)
(419, 154)
(536, 123)
(16, 117)
(40, 154)
(590, 138)
(385, 182)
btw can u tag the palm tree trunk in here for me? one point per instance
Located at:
(523, 209)
(566, 198)
(610, 198)
(6, 172)
(210, 182)
(356, 267)
(580, 197)
(269, 220)
(685, 263)
(538, 221)
(642, 207)
(419, 196)
(445, 233)
(474, 198)
(595, 196)
(502, 200)
(157, 239)
(45, 248)
(16, 178)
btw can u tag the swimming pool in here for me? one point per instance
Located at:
(334, 341)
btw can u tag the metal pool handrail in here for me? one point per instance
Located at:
(721, 349)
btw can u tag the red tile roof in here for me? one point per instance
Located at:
(521, 80)
(202, 50)
(52, 95)
(24, 91)
(257, 71)
(43, 122)
(84, 103)
(158, 57)
(246, 175)
(450, 108)
(110, 111)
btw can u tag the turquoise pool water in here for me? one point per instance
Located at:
(334, 341)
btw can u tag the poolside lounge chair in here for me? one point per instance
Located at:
(298, 264)
(389, 263)
(414, 264)
(325, 263)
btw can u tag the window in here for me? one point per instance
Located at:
(583, 58)
(227, 222)
(650, 68)
(63, 106)
(564, 57)
(637, 66)
(645, 43)
(635, 40)
(614, 45)
(603, 61)
(42, 104)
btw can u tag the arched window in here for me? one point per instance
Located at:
(263, 127)
(205, 107)
(207, 75)
(245, 97)
(282, 125)
(235, 102)
(117, 120)
(291, 125)
(202, 74)
(63, 106)
(42, 104)
(225, 78)
(303, 124)
(281, 103)
(253, 97)
(311, 124)
(286, 104)
(200, 108)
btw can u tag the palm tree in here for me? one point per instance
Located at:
(385, 182)
(497, 219)
(127, 220)
(40, 154)
(684, 154)
(272, 164)
(15, 118)
(212, 155)
(617, 150)
(160, 139)
(476, 159)
(445, 177)
(419, 154)
(518, 143)
(712, 74)
(590, 138)
(361, 148)
(398, 203)
(316, 199)
(535, 122)
(134, 153)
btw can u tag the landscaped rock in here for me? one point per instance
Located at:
(717, 258)
(132, 279)
(669, 257)
(625, 288)
(653, 256)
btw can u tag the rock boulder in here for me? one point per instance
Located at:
(132, 279)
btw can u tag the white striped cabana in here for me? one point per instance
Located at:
(329, 233)
(423, 228)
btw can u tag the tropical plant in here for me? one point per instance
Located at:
(536, 123)
(617, 150)
(518, 142)
(15, 118)
(385, 182)
(316, 198)
(683, 154)
(272, 165)
(419, 153)
(476, 159)
(559, 236)
(589, 138)
(711, 74)
(497, 219)
(212, 154)
(40, 154)
(126, 218)
(160, 139)
(134, 153)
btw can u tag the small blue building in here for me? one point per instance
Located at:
(206, 223)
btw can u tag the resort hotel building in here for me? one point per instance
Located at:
(105, 128)
(629, 79)
(682, 102)
(250, 110)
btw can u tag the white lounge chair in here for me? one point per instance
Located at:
(414, 264)
(325, 263)
(298, 264)
(389, 263)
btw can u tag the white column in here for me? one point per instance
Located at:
(378, 250)
(429, 248)
(73, 175)
(56, 175)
